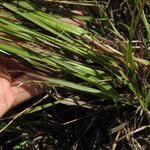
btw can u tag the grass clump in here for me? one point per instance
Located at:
(102, 67)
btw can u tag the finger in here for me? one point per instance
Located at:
(23, 90)
(13, 66)
(73, 21)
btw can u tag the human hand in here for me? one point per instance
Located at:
(15, 91)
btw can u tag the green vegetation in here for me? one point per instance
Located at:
(101, 67)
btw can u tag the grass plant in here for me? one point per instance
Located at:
(97, 67)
